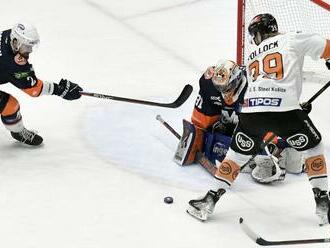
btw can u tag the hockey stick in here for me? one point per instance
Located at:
(260, 241)
(320, 91)
(171, 129)
(177, 103)
(200, 157)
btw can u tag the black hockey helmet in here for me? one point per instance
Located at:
(262, 26)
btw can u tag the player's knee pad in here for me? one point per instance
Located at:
(190, 143)
(8, 105)
(216, 146)
(10, 114)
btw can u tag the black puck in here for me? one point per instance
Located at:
(168, 199)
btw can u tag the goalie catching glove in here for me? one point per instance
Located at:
(267, 170)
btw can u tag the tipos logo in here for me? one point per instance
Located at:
(244, 142)
(298, 140)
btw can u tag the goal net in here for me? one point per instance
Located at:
(311, 16)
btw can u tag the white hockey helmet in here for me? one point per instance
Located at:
(227, 76)
(24, 37)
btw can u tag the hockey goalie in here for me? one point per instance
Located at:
(214, 118)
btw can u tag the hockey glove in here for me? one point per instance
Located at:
(327, 63)
(306, 107)
(67, 90)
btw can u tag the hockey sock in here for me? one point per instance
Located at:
(317, 172)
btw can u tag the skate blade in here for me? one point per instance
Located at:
(197, 214)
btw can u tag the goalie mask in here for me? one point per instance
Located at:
(227, 76)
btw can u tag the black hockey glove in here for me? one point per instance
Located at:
(67, 90)
(307, 107)
(327, 63)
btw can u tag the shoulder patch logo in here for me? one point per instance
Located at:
(20, 60)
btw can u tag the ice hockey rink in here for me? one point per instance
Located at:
(100, 178)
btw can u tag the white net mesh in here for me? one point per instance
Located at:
(294, 15)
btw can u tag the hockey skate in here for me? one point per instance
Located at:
(202, 208)
(322, 206)
(27, 137)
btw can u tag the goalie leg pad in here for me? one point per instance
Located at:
(190, 143)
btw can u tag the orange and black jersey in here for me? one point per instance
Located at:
(16, 69)
(210, 105)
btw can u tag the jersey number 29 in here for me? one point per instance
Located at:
(272, 67)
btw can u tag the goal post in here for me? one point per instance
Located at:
(311, 16)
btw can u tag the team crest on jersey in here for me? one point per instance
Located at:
(244, 142)
(298, 141)
(20, 60)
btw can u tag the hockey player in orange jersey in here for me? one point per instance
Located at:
(271, 103)
(16, 44)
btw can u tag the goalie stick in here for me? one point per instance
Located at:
(260, 241)
(177, 103)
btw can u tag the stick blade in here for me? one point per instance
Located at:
(248, 230)
(186, 92)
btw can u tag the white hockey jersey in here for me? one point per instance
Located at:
(275, 71)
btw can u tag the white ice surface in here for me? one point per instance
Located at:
(101, 176)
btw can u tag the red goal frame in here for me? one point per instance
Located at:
(241, 26)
